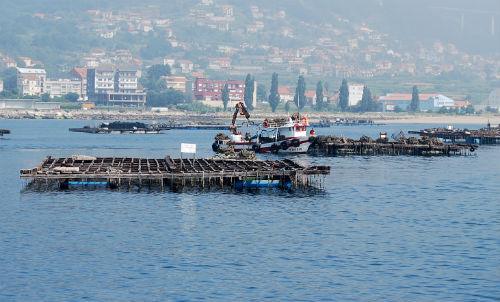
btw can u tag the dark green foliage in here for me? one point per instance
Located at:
(319, 96)
(249, 89)
(165, 98)
(287, 106)
(45, 97)
(71, 97)
(151, 80)
(367, 103)
(156, 47)
(9, 77)
(415, 101)
(274, 97)
(300, 93)
(344, 96)
(469, 109)
(225, 96)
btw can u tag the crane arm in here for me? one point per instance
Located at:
(244, 111)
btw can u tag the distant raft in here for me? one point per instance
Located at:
(4, 131)
(340, 146)
(123, 127)
(489, 135)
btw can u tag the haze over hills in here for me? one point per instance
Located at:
(361, 39)
(471, 25)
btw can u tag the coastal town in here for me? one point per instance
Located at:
(341, 50)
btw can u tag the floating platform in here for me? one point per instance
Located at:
(200, 127)
(4, 131)
(115, 172)
(123, 127)
(325, 123)
(484, 136)
(335, 146)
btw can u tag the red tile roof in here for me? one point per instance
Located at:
(394, 97)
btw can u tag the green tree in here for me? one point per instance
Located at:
(225, 96)
(469, 109)
(45, 97)
(152, 80)
(319, 96)
(287, 106)
(300, 93)
(164, 98)
(71, 97)
(344, 95)
(249, 89)
(367, 103)
(9, 77)
(415, 102)
(274, 97)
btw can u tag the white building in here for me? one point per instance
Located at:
(60, 87)
(1, 85)
(177, 83)
(355, 93)
(31, 81)
(114, 86)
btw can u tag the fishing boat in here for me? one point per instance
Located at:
(282, 135)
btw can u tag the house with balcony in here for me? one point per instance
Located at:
(31, 81)
(111, 86)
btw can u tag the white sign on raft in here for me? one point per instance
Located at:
(188, 148)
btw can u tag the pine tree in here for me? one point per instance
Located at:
(274, 97)
(367, 103)
(249, 88)
(319, 96)
(344, 95)
(415, 101)
(225, 96)
(300, 93)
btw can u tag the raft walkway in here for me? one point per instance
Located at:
(484, 136)
(118, 171)
(335, 146)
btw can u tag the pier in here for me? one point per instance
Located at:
(203, 173)
(4, 131)
(484, 136)
(340, 146)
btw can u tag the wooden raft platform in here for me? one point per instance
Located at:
(334, 146)
(4, 131)
(117, 171)
(484, 136)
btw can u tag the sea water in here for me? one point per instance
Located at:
(384, 228)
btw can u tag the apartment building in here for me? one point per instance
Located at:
(111, 86)
(31, 81)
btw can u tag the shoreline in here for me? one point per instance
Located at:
(173, 115)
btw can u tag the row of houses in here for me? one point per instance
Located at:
(119, 86)
(107, 85)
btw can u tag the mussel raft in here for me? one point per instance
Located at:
(425, 146)
(203, 173)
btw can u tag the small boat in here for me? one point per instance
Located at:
(284, 135)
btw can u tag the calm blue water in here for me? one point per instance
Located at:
(385, 229)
